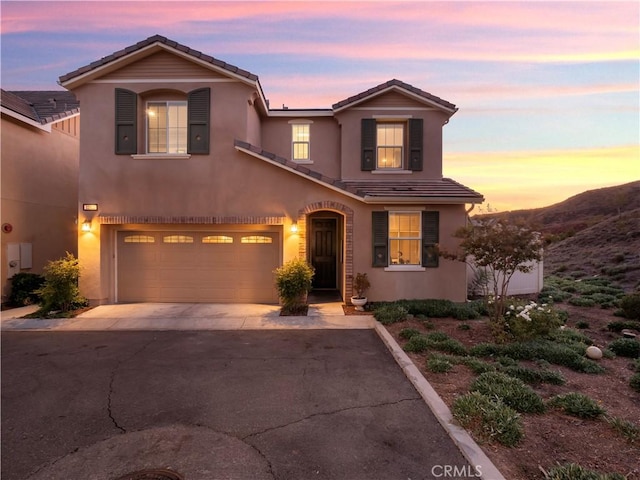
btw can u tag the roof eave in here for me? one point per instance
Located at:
(420, 98)
(145, 51)
(42, 126)
(379, 200)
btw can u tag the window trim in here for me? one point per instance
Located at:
(293, 124)
(403, 147)
(167, 104)
(393, 266)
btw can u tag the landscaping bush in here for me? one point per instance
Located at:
(581, 302)
(532, 376)
(512, 391)
(530, 320)
(630, 306)
(625, 347)
(407, 333)
(60, 288)
(442, 342)
(489, 419)
(577, 404)
(417, 344)
(618, 326)
(478, 366)
(438, 364)
(627, 429)
(634, 383)
(438, 308)
(293, 283)
(390, 313)
(23, 289)
(572, 471)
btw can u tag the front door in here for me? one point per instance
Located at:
(323, 252)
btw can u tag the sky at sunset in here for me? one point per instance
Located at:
(548, 92)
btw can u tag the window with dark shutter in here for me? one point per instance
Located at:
(368, 139)
(415, 144)
(126, 122)
(199, 102)
(380, 238)
(430, 238)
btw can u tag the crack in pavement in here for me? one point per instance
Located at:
(112, 380)
(333, 412)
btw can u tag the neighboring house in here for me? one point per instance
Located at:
(40, 149)
(201, 190)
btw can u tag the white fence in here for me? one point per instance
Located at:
(520, 284)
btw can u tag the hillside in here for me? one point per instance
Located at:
(595, 233)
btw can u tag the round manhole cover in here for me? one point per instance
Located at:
(152, 474)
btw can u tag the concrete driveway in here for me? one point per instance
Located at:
(307, 400)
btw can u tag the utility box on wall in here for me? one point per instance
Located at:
(19, 257)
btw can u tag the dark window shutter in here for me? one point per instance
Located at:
(415, 144)
(368, 144)
(126, 122)
(380, 238)
(199, 105)
(430, 238)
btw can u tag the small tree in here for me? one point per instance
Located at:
(501, 249)
(60, 290)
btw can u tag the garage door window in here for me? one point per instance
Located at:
(177, 239)
(139, 239)
(256, 239)
(217, 239)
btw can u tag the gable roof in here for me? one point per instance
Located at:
(148, 46)
(400, 86)
(429, 191)
(39, 108)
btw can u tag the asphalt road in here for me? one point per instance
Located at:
(287, 404)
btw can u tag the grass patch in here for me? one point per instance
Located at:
(634, 383)
(390, 313)
(533, 376)
(618, 326)
(573, 471)
(625, 347)
(437, 341)
(512, 391)
(407, 333)
(437, 364)
(489, 419)
(578, 405)
(627, 429)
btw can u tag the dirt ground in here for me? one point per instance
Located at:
(553, 437)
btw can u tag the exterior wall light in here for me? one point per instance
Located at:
(294, 228)
(86, 226)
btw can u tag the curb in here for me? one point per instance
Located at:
(461, 438)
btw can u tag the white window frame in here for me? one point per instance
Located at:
(402, 146)
(398, 267)
(294, 141)
(167, 104)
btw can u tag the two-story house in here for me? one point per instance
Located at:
(40, 148)
(192, 189)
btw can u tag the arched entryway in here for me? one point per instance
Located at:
(325, 230)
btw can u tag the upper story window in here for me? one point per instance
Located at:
(389, 145)
(392, 145)
(301, 140)
(166, 127)
(172, 126)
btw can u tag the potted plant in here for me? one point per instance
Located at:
(293, 282)
(360, 285)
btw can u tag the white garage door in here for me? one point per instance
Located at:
(233, 267)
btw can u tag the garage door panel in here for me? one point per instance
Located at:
(211, 267)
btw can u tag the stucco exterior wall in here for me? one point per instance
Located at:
(39, 192)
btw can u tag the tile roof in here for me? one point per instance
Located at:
(393, 84)
(44, 106)
(444, 190)
(150, 41)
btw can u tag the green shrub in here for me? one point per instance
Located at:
(464, 326)
(417, 344)
(24, 287)
(512, 391)
(568, 336)
(477, 366)
(442, 342)
(60, 288)
(581, 302)
(634, 383)
(532, 376)
(582, 325)
(293, 283)
(577, 404)
(407, 333)
(390, 313)
(464, 311)
(627, 429)
(489, 419)
(439, 365)
(572, 471)
(530, 320)
(625, 347)
(618, 326)
(437, 337)
(630, 306)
